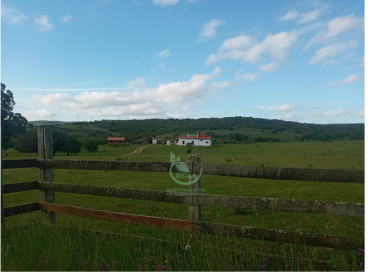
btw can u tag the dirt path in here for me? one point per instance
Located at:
(138, 150)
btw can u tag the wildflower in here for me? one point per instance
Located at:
(223, 258)
(101, 266)
(320, 262)
(137, 249)
(116, 262)
(95, 263)
(262, 266)
(227, 268)
(78, 262)
(361, 263)
(287, 265)
(337, 268)
(166, 261)
(360, 254)
(14, 245)
(233, 246)
(83, 263)
(187, 247)
(159, 267)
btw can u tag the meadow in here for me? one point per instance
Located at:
(90, 249)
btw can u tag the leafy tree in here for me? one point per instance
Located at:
(90, 146)
(72, 145)
(27, 142)
(12, 124)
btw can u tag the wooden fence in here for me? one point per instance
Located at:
(48, 187)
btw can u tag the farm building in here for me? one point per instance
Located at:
(116, 141)
(195, 140)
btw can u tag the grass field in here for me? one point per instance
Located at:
(333, 155)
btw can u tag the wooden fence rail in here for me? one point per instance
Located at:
(335, 208)
(46, 164)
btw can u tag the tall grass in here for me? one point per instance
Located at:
(52, 248)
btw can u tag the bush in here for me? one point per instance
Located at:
(90, 146)
(189, 150)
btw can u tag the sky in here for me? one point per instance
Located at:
(88, 60)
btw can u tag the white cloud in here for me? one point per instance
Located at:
(209, 28)
(241, 41)
(337, 26)
(43, 23)
(275, 45)
(165, 2)
(331, 50)
(350, 79)
(291, 117)
(284, 108)
(248, 77)
(327, 114)
(360, 113)
(138, 83)
(160, 66)
(302, 17)
(65, 18)
(267, 67)
(163, 54)
(38, 114)
(12, 16)
(262, 108)
(166, 98)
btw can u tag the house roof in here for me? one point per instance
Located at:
(116, 139)
(195, 137)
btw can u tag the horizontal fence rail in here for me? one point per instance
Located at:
(19, 187)
(21, 209)
(272, 235)
(24, 163)
(336, 208)
(279, 173)
(118, 217)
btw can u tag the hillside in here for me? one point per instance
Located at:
(45, 122)
(223, 130)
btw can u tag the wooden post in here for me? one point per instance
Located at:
(194, 212)
(45, 151)
(2, 208)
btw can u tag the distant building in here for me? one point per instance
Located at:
(116, 141)
(154, 141)
(195, 140)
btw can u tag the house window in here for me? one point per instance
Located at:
(110, 142)
(206, 142)
(183, 142)
(120, 142)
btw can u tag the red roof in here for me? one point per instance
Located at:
(193, 137)
(116, 138)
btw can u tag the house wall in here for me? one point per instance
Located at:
(116, 143)
(197, 142)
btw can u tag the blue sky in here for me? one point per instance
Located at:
(136, 59)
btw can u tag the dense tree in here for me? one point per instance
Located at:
(27, 142)
(12, 124)
(90, 146)
(72, 145)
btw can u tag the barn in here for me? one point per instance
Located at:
(195, 140)
(116, 141)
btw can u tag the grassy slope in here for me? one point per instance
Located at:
(339, 155)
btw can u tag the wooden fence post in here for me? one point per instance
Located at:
(194, 212)
(45, 151)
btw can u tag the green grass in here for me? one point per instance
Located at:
(337, 155)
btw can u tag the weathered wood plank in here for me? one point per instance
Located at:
(139, 194)
(23, 163)
(45, 151)
(336, 208)
(107, 165)
(119, 217)
(19, 187)
(21, 209)
(275, 204)
(194, 211)
(279, 236)
(297, 174)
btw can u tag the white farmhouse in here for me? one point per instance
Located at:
(195, 140)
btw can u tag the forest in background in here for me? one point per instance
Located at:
(228, 130)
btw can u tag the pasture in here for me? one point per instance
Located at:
(324, 155)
